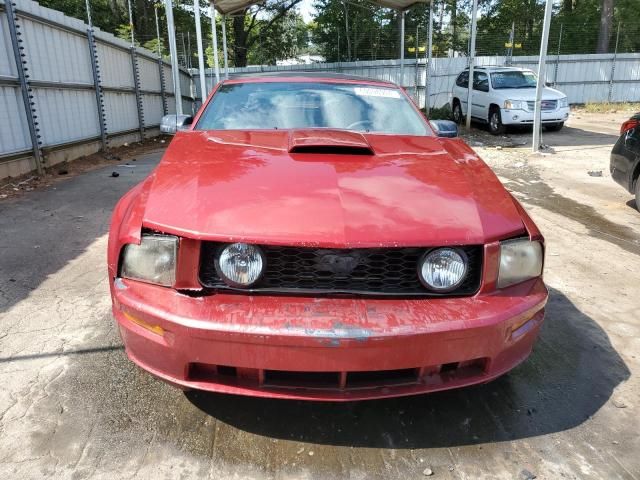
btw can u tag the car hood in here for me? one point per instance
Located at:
(529, 94)
(340, 189)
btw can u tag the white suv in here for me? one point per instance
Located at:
(506, 96)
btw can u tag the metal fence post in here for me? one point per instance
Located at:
(613, 66)
(163, 90)
(93, 53)
(555, 74)
(23, 77)
(136, 83)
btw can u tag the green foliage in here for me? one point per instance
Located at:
(274, 30)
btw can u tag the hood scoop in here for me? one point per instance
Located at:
(329, 141)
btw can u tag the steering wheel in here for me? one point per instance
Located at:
(359, 122)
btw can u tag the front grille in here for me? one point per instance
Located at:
(366, 271)
(546, 105)
(432, 375)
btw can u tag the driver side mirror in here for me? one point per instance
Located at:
(445, 128)
(170, 124)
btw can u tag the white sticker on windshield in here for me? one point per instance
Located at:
(376, 92)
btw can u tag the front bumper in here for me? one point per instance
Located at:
(326, 348)
(525, 117)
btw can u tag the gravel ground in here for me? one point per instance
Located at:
(72, 406)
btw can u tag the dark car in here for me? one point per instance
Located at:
(625, 157)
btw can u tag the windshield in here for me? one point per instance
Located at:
(513, 79)
(280, 105)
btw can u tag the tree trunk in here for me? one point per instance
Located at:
(606, 19)
(113, 6)
(240, 41)
(567, 6)
(454, 24)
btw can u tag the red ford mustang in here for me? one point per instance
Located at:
(314, 238)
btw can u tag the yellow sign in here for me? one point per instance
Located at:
(508, 45)
(518, 45)
(412, 49)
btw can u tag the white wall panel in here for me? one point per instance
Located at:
(55, 55)
(7, 62)
(152, 107)
(66, 115)
(14, 130)
(149, 74)
(121, 111)
(116, 69)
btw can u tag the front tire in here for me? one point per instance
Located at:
(638, 194)
(457, 112)
(495, 122)
(554, 127)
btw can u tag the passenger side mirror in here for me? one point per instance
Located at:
(170, 124)
(548, 84)
(445, 128)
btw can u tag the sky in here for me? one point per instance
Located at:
(306, 9)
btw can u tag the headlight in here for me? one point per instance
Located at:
(443, 269)
(520, 260)
(241, 264)
(514, 104)
(153, 261)
(563, 102)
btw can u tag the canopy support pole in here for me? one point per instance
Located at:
(472, 59)
(214, 34)
(224, 46)
(542, 76)
(402, 48)
(202, 73)
(173, 52)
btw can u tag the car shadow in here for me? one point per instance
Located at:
(568, 137)
(572, 372)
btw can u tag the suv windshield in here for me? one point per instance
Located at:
(513, 79)
(268, 105)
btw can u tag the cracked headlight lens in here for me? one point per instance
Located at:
(153, 261)
(520, 260)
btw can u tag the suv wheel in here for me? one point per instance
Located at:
(495, 121)
(638, 194)
(457, 112)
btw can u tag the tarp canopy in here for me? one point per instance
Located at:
(226, 7)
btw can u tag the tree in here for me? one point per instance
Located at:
(606, 19)
(248, 26)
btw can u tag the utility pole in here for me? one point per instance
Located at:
(537, 116)
(472, 57)
(173, 51)
(214, 35)
(427, 94)
(346, 26)
(224, 46)
(512, 37)
(131, 23)
(401, 48)
(203, 80)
